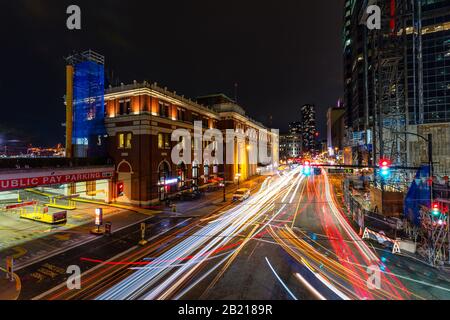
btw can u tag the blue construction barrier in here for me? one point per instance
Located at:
(419, 194)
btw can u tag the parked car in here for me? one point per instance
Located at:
(241, 195)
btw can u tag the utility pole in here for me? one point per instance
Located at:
(224, 185)
(430, 161)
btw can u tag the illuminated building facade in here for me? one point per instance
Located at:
(290, 146)
(426, 74)
(140, 119)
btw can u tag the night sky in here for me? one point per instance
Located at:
(281, 53)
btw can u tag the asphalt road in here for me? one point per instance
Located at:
(290, 240)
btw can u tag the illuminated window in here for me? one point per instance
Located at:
(125, 140)
(121, 141)
(128, 141)
(163, 141)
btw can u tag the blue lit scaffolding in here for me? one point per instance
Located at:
(88, 104)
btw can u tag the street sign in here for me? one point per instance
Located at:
(108, 228)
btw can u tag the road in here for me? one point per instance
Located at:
(290, 240)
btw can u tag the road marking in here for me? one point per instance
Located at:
(39, 297)
(19, 252)
(62, 250)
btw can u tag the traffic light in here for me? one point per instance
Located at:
(435, 210)
(307, 168)
(120, 189)
(385, 167)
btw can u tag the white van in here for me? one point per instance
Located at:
(241, 195)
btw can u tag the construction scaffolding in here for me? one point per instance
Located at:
(388, 57)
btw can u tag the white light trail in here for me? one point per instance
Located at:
(161, 281)
(281, 281)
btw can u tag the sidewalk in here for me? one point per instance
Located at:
(57, 240)
(211, 201)
(9, 290)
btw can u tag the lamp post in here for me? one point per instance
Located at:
(224, 185)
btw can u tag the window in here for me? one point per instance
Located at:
(124, 107)
(128, 141)
(164, 141)
(205, 123)
(163, 110)
(121, 141)
(195, 117)
(125, 140)
(91, 188)
(181, 114)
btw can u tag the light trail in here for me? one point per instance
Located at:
(162, 281)
(281, 281)
(310, 287)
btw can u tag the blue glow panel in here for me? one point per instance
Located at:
(89, 109)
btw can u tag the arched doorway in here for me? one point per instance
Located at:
(124, 173)
(164, 173)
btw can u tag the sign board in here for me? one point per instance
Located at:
(13, 182)
(98, 217)
(108, 228)
(59, 216)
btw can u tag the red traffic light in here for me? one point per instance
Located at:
(384, 163)
(435, 209)
(120, 189)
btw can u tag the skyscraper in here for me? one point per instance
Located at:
(308, 125)
(415, 56)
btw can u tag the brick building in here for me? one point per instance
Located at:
(140, 119)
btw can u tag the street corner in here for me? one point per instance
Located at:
(10, 289)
